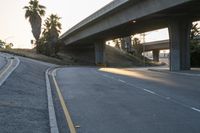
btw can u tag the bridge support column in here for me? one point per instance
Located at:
(179, 34)
(100, 53)
(156, 53)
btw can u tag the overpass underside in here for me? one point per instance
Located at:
(142, 16)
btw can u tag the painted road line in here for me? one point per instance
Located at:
(149, 91)
(5, 74)
(51, 109)
(66, 112)
(4, 71)
(195, 109)
(121, 81)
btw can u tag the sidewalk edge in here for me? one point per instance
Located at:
(52, 115)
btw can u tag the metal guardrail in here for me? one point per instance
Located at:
(109, 7)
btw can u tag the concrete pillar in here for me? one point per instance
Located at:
(123, 44)
(156, 53)
(126, 44)
(179, 34)
(100, 53)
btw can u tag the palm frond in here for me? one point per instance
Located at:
(28, 14)
(41, 7)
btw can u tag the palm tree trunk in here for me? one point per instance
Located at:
(36, 22)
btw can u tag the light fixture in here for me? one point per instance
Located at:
(134, 21)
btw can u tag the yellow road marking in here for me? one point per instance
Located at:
(6, 69)
(66, 112)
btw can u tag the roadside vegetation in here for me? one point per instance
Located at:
(114, 57)
(47, 43)
(195, 45)
(5, 45)
(33, 12)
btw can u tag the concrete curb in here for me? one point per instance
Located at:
(157, 70)
(52, 115)
(7, 74)
(178, 73)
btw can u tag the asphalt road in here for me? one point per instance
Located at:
(2, 61)
(23, 99)
(118, 101)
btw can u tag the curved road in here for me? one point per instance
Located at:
(23, 100)
(110, 100)
(98, 100)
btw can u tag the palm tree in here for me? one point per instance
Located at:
(51, 33)
(34, 12)
(2, 44)
(195, 31)
(52, 26)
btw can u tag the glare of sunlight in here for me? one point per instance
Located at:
(135, 74)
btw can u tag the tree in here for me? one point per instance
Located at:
(138, 47)
(9, 46)
(195, 45)
(116, 42)
(2, 44)
(34, 12)
(50, 35)
(195, 31)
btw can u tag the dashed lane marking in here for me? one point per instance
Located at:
(151, 92)
(121, 81)
(198, 110)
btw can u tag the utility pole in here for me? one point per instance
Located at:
(142, 35)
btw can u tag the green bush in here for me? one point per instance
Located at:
(195, 53)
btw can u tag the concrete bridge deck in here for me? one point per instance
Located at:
(122, 18)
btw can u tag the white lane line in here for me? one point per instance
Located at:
(168, 98)
(10, 64)
(121, 81)
(52, 115)
(149, 91)
(8, 71)
(195, 109)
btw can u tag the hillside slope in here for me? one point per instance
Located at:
(114, 57)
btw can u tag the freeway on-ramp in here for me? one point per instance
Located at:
(37, 97)
(114, 100)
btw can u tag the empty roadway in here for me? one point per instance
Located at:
(118, 101)
(23, 100)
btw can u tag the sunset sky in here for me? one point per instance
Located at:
(16, 29)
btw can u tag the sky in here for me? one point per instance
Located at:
(16, 29)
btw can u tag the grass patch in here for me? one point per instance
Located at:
(114, 58)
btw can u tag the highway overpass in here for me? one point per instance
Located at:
(122, 18)
(155, 47)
